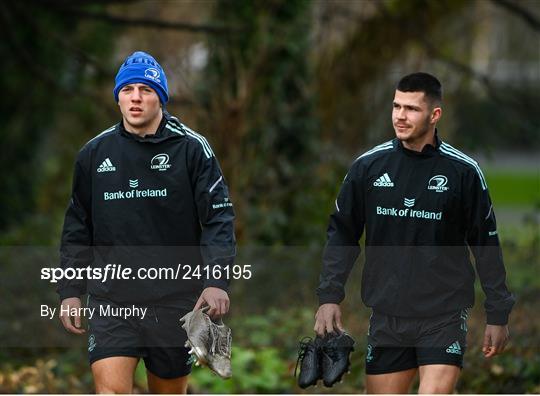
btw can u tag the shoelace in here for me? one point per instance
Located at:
(220, 343)
(303, 347)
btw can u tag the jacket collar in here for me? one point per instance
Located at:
(427, 150)
(161, 134)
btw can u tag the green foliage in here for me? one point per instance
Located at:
(265, 73)
(522, 256)
(139, 378)
(60, 373)
(506, 373)
(514, 371)
(254, 371)
(47, 81)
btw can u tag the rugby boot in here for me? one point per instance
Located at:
(209, 341)
(219, 358)
(336, 349)
(197, 327)
(309, 359)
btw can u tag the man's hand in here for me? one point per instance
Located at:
(67, 305)
(217, 299)
(495, 340)
(328, 319)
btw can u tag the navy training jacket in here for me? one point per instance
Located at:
(421, 211)
(156, 201)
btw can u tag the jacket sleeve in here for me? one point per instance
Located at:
(76, 245)
(216, 214)
(483, 241)
(344, 231)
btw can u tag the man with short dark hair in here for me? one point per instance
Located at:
(148, 197)
(423, 204)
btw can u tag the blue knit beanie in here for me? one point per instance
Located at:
(141, 67)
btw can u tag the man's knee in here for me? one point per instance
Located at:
(161, 385)
(436, 389)
(396, 382)
(108, 384)
(437, 379)
(114, 374)
(112, 388)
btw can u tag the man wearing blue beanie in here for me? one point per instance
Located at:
(150, 225)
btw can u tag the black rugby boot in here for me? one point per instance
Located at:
(336, 350)
(309, 358)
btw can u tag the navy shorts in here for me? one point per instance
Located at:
(398, 343)
(154, 335)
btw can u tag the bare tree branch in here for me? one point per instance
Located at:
(82, 3)
(141, 22)
(20, 50)
(512, 104)
(22, 15)
(29, 61)
(513, 7)
(461, 67)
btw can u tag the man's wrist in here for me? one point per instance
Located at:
(497, 318)
(69, 292)
(330, 299)
(218, 283)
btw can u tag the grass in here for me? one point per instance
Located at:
(514, 188)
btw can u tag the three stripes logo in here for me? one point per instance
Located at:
(409, 202)
(455, 348)
(464, 315)
(384, 181)
(106, 166)
(134, 183)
